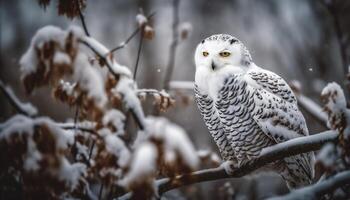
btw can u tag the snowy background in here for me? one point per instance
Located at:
(294, 38)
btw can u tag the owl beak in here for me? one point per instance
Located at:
(213, 66)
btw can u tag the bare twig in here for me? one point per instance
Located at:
(82, 18)
(173, 45)
(102, 57)
(268, 155)
(316, 191)
(133, 34)
(138, 55)
(22, 108)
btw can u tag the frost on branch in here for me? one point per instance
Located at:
(24, 108)
(35, 149)
(163, 148)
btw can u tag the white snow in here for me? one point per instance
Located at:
(67, 86)
(338, 101)
(61, 58)
(71, 173)
(127, 88)
(116, 146)
(143, 164)
(175, 139)
(23, 125)
(32, 157)
(29, 60)
(90, 79)
(103, 51)
(141, 19)
(116, 118)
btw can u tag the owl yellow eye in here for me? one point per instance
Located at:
(205, 54)
(225, 54)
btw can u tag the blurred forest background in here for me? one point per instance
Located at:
(294, 38)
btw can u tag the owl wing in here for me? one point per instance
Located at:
(213, 123)
(277, 113)
(276, 109)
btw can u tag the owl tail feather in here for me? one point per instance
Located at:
(295, 172)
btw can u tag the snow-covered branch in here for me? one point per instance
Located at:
(116, 70)
(313, 109)
(268, 155)
(319, 189)
(23, 108)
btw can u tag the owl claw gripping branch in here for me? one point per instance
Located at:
(247, 108)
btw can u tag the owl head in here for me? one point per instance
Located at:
(221, 50)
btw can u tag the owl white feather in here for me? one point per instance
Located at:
(247, 108)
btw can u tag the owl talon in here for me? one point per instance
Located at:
(229, 166)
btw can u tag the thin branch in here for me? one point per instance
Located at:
(173, 45)
(268, 155)
(102, 57)
(138, 55)
(82, 18)
(68, 126)
(133, 34)
(319, 189)
(26, 109)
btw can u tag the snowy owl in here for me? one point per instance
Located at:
(247, 108)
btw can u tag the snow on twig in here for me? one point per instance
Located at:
(23, 108)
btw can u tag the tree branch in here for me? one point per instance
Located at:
(82, 18)
(268, 155)
(116, 75)
(173, 45)
(138, 55)
(319, 189)
(26, 109)
(133, 34)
